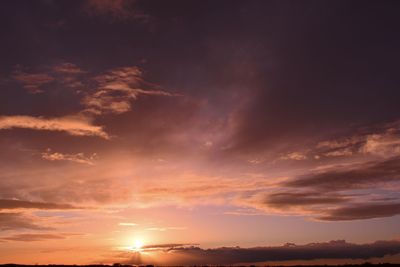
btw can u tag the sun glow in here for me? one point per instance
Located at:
(138, 244)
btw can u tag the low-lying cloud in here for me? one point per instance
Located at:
(339, 249)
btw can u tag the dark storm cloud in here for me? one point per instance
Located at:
(21, 204)
(362, 211)
(19, 221)
(362, 175)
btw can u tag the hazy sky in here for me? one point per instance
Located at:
(196, 132)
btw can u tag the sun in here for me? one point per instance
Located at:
(137, 245)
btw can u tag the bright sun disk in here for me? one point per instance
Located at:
(138, 244)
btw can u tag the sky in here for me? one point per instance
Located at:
(199, 132)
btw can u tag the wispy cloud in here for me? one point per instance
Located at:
(77, 158)
(18, 221)
(334, 194)
(73, 125)
(11, 204)
(115, 91)
(33, 81)
(162, 229)
(294, 156)
(111, 92)
(377, 140)
(68, 68)
(362, 211)
(35, 237)
(127, 224)
(355, 176)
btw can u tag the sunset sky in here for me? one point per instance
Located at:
(199, 132)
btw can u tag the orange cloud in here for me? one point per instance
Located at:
(73, 125)
(116, 89)
(78, 157)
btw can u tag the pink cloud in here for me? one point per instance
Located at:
(73, 125)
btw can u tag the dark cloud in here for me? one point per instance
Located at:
(22, 204)
(335, 194)
(291, 199)
(362, 175)
(362, 211)
(165, 246)
(232, 255)
(33, 82)
(18, 221)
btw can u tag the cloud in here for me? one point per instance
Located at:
(127, 224)
(339, 249)
(332, 194)
(33, 82)
(73, 125)
(78, 157)
(339, 153)
(350, 177)
(7, 204)
(111, 92)
(387, 144)
(378, 140)
(116, 89)
(294, 156)
(362, 211)
(68, 68)
(199, 190)
(91, 191)
(162, 229)
(35, 237)
(287, 200)
(17, 221)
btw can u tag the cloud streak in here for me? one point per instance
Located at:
(116, 89)
(77, 158)
(73, 125)
(33, 81)
(36, 237)
(362, 211)
(19, 221)
(10, 204)
(351, 177)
